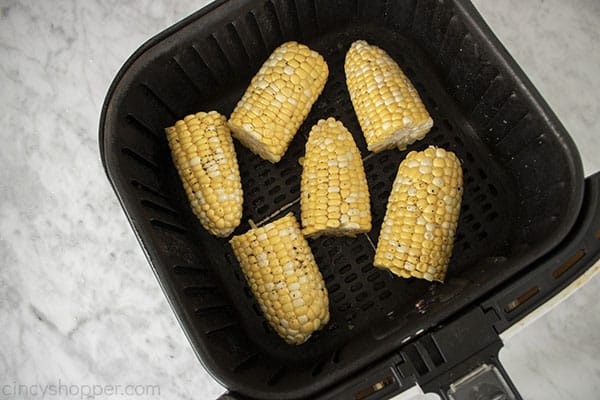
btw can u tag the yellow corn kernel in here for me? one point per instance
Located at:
(334, 193)
(282, 273)
(278, 100)
(388, 107)
(205, 158)
(420, 222)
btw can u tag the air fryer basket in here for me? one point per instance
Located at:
(523, 178)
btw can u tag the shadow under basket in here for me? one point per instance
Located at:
(523, 181)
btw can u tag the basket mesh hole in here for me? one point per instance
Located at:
(262, 172)
(327, 278)
(279, 199)
(274, 190)
(338, 296)
(148, 189)
(366, 268)
(367, 305)
(362, 296)
(286, 171)
(345, 269)
(167, 226)
(373, 276)
(385, 295)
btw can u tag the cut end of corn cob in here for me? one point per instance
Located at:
(334, 193)
(388, 107)
(278, 100)
(282, 273)
(205, 158)
(418, 229)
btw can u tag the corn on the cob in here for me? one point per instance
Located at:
(204, 155)
(389, 109)
(278, 100)
(282, 273)
(418, 230)
(335, 195)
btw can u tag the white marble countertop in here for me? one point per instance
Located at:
(78, 302)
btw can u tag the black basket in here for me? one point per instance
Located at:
(522, 173)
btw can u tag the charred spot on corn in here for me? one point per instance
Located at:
(204, 156)
(387, 105)
(278, 100)
(334, 196)
(420, 222)
(284, 277)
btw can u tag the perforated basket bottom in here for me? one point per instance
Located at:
(360, 295)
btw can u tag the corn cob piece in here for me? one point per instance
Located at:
(281, 271)
(278, 100)
(334, 193)
(203, 152)
(388, 107)
(418, 229)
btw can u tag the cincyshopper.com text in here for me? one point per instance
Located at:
(76, 391)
